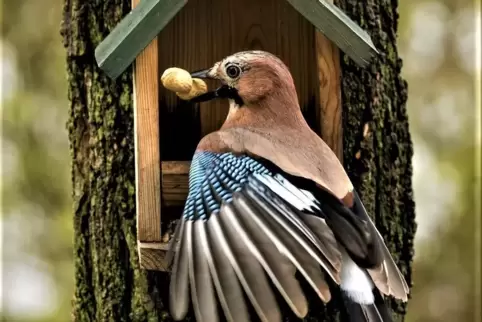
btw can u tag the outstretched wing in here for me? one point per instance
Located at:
(239, 236)
(356, 232)
(244, 233)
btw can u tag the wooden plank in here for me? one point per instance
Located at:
(339, 28)
(329, 75)
(175, 167)
(119, 49)
(235, 25)
(153, 256)
(146, 127)
(175, 182)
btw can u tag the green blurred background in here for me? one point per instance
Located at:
(437, 42)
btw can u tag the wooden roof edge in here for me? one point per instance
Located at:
(120, 48)
(135, 31)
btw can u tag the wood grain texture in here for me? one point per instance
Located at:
(153, 256)
(329, 73)
(175, 182)
(146, 120)
(175, 167)
(199, 36)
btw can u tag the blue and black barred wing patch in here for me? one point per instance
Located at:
(244, 233)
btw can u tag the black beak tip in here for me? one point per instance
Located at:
(201, 73)
(222, 92)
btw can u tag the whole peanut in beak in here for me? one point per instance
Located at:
(177, 80)
(198, 87)
(180, 81)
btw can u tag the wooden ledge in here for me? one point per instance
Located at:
(153, 256)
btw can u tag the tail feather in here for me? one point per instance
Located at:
(375, 312)
(382, 307)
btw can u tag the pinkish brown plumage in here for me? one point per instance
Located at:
(270, 125)
(267, 197)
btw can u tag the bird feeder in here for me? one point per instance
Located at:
(158, 34)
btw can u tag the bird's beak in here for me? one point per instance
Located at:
(217, 93)
(224, 91)
(205, 73)
(221, 92)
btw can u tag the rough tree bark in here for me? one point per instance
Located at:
(109, 286)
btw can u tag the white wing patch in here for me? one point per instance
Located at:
(356, 282)
(282, 191)
(288, 191)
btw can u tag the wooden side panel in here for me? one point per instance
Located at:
(329, 77)
(328, 58)
(146, 118)
(204, 32)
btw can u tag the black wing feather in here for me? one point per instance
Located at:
(351, 230)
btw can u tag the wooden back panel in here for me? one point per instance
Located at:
(206, 31)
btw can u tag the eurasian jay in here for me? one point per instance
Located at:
(268, 198)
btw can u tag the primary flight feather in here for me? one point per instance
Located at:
(268, 199)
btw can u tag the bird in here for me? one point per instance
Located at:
(269, 205)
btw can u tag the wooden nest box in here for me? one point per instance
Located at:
(192, 35)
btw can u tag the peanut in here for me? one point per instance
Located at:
(198, 87)
(177, 80)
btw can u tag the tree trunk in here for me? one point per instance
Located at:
(377, 144)
(109, 285)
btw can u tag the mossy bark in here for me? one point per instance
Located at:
(109, 285)
(380, 162)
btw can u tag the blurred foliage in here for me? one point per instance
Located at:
(36, 205)
(437, 44)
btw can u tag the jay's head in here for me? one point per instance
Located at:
(248, 78)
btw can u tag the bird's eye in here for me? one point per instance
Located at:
(233, 71)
